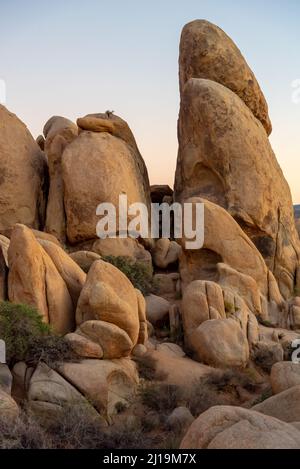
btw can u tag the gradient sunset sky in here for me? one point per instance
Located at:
(76, 57)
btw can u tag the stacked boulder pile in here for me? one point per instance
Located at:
(248, 269)
(232, 304)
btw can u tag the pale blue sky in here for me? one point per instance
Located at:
(76, 57)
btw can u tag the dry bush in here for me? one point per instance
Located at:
(23, 433)
(147, 369)
(160, 397)
(75, 429)
(51, 349)
(218, 388)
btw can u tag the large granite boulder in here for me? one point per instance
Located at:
(227, 427)
(34, 280)
(98, 166)
(23, 180)
(58, 132)
(108, 310)
(225, 157)
(207, 52)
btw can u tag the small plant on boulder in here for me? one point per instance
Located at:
(139, 273)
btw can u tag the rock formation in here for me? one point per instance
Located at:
(225, 427)
(58, 132)
(224, 153)
(197, 329)
(23, 175)
(112, 164)
(34, 280)
(225, 157)
(207, 52)
(107, 310)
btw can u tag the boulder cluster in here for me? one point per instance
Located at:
(233, 304)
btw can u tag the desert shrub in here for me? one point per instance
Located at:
(139, 273)
(263, 396)
(28, 338)
(50, 349)
(77, 429)
(160, 397)
(23, 433)
(218, 388)
(153, 420)
(264, 358)
(19, 326)
(264, 322)
(147, 368)
(172, 441)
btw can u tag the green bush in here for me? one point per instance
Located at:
(139, 273)
(50, 349)
(19, 326)
(28, 338)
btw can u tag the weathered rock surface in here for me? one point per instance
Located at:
(9, 409)
(113, 340)
(226, 427)
(202, 300)
(114, 125)
(165, 252)
(220, 343)
(207, 52)
(284, 375)
(167, 285)
(43, 236)
(49, 394)
(242, 285)
(3, 276)
(284, 406)
(171, 349)
(71, 273)
(230, 258)
(180, 418)
(5, 378)
(157, 308)
(105, 383)
(59, 132)
(114, 166)
(84, 259)
(123, 247)
(4, 244)
(21, 378)
(225, 157)
(23, 172)
(108, 296)
(84, 346)
(143, 326)
(177, 369)
(34, 280)
(206, 301)
(224, 241)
